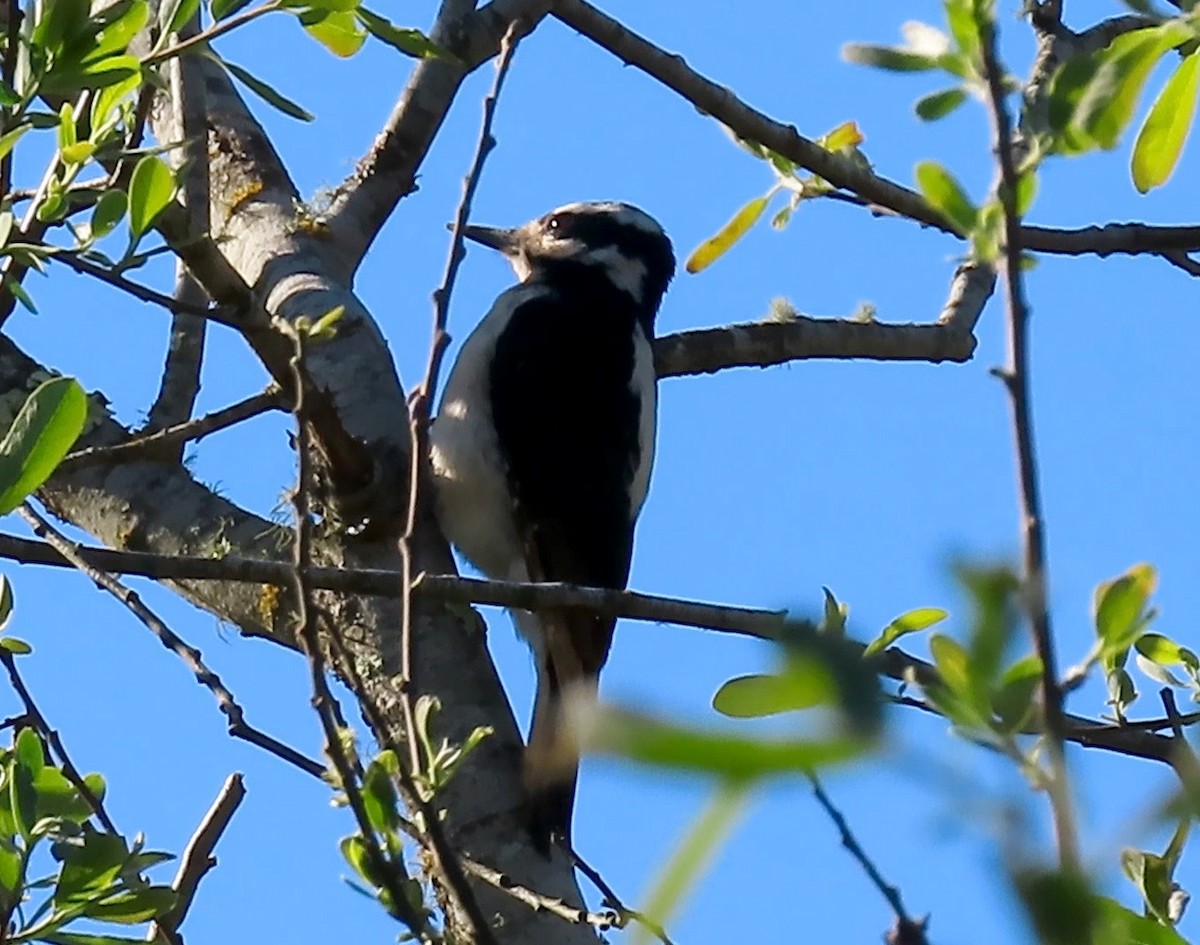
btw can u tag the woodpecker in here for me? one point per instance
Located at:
(543, 447)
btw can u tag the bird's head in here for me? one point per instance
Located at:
(616, 241)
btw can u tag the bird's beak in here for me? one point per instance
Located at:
(506, 241)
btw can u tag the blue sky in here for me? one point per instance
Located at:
(868, 478)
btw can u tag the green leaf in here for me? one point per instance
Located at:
(19, 293)
(1013, 701)
(1119, 607)
(804, 684)
(408, 41)
(223, 8)
(122, 23)
(79, 938)
(891, 58)
(1116, 925)
(1161, 139)
(11, 870)
(952, 662)
(58, 797)
(1027, 185)
(692, 857)
(22, 798)
(130, 908)
(29, 751)
(964, 27)
(1108, 102)
(43, 432)
(911, 622)
(150, 191)
(354, 849)
(6, 609)
(664, 744)
(108, 212)
(267, 93)
(338, 31)
(90, 867)
(937, 105)
(175, 14)
(78, 153)
(1061, 906)
(1159, 649)
(115, 70)
(379, 798)
(716, 246)
(9, 139)
(58, 22)
(834, 619)
(946, 196)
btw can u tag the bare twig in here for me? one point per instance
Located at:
(141, 446)
(198, 857)
(323, 699)
(601, 921)
(444, 861)
(912, 929)
(34, 714)
(1134, 738)
(1017, 382)
(140, 292)
(238, 727)
(613, 901)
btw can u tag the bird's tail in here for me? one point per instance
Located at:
(551, 764)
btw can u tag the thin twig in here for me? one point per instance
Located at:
(264, 401)
(538, 902)
(198, 857)
(213, 32)
(1017, 382)
(1134, 738)
(323, 700)
(12, 47)
(140, 292)
(444, 863)
(34, 714)
(235, 716)
(613, 901)
(891, 893)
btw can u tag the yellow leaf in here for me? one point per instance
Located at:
(716, 246)
(845, 135)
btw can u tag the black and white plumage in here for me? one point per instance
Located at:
(544, 442)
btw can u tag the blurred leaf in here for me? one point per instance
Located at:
(716, 246)
(653, 741)
(78, 153)
(267, 93)
(43, 432)
(408, 41)
(946, 196)
(834, 620)
(1061, 906)
(337, 30)
(82, 938)
(964, 27)
(1116, 925)
(692, 857)
(1027, 185)
(804, 683)
(1160, 142)
(1013, 701)
(911, 622)
(1151, 874)
(150, 191)
(1159, 649)
(11, 869)
(1119, 607)
(891, 58)
(19, 293)
(937, 105)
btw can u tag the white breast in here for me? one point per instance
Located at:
(644, 384)
(473, 502)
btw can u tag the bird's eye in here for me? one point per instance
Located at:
(554, 223)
